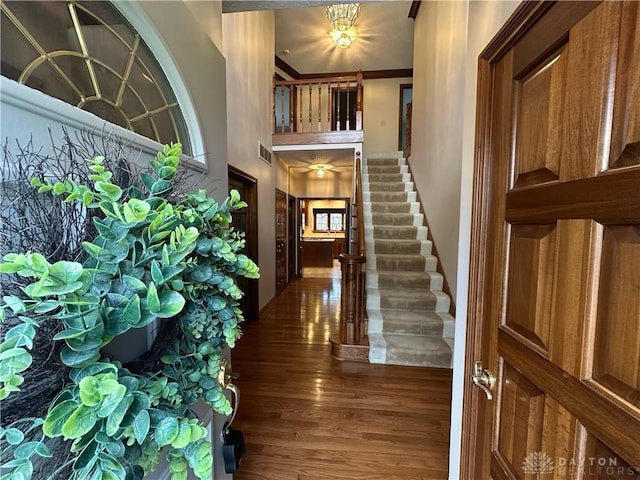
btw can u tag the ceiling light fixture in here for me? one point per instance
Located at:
(320, 171)
(342, 16)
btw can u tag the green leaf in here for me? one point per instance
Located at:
(111, 401)
(160, 187)
(25, 334)
(184, 436)
(115, 419)
(141, 426)
(131, 313)
(109, 191)
(43, 451)
(13, 436)
(167, 431)
(65, 272)
(148, 180)
(153, 301)
(156, 273)
(138, 286)
(171, 303)
(75, 359)
(26, 450)
(72, 333)
(14, 303)
(80, 422)
(136, 210)
(52, 426)
(78, 374)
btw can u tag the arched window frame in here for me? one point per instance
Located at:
(29, 99)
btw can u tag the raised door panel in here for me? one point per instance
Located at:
(281, 241)
(625, 138)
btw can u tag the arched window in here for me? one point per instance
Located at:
(88, 55)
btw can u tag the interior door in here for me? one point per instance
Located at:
(246, 220)
(281, 241)
(555, 272)
(292, 238)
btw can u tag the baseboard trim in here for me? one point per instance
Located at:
(350, 353)
(266, 307)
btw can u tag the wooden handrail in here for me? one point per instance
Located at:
(353, 325)
(319, 105)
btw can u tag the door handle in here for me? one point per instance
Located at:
(225, 379)
(483, 379)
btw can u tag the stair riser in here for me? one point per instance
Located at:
(378, 162)
(406, 328)
(401, 282)
(400, 264)
(373, 169)
(391, 207)
(393, 247)
(438, 360)
(401, 219)
(386, 177)
(391, 233)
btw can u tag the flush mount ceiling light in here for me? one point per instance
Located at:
(342, 16)
(320, 169)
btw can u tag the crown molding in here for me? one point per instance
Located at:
(286, 68)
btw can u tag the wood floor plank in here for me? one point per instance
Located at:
(306, 416)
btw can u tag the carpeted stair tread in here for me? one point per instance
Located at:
(408, 299)
(390, 207)
(398, 247)
(400, 262)
(395, 279)
(371, 162)
(377, 169)
(385, 177)
(388, 196)
(417, 350)
(387, 186)
(412, 323)
(394, 232)
(406, 219)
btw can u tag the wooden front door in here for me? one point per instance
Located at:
(555, 266)
(281, 241)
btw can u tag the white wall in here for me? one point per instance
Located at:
(381, 113)
(449, 36)
(248, 43)
(436, 125)
(209, 16)
(334, 184)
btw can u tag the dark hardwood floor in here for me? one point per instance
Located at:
(307, 416)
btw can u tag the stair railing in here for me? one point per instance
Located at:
(318, 105)
(353, 324)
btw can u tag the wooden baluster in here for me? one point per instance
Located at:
(282, 106)
(319, 106)
(310, 110)
(338, 108)
(329, 107)
(348, 109)
(359, 101)
(291, 109)
(301, 122)
(273, 116)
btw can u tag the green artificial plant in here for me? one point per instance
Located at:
(154, 257)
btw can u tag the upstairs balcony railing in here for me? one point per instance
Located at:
(323, 110)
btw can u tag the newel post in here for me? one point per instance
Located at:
(352, 313)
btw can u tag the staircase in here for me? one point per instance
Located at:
(409, 323)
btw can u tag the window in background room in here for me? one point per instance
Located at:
(329, 220)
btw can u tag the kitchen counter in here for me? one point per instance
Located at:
(317, 252)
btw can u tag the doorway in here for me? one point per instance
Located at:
(246, 220)
(281, 241)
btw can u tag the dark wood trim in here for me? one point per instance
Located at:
(366, 75)
(415, 7)
(473, 407)
(514, 28)
(434, 250)
(346, 136)
(403, 87)
(279, 77)
(286, 68)
(608, 198)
